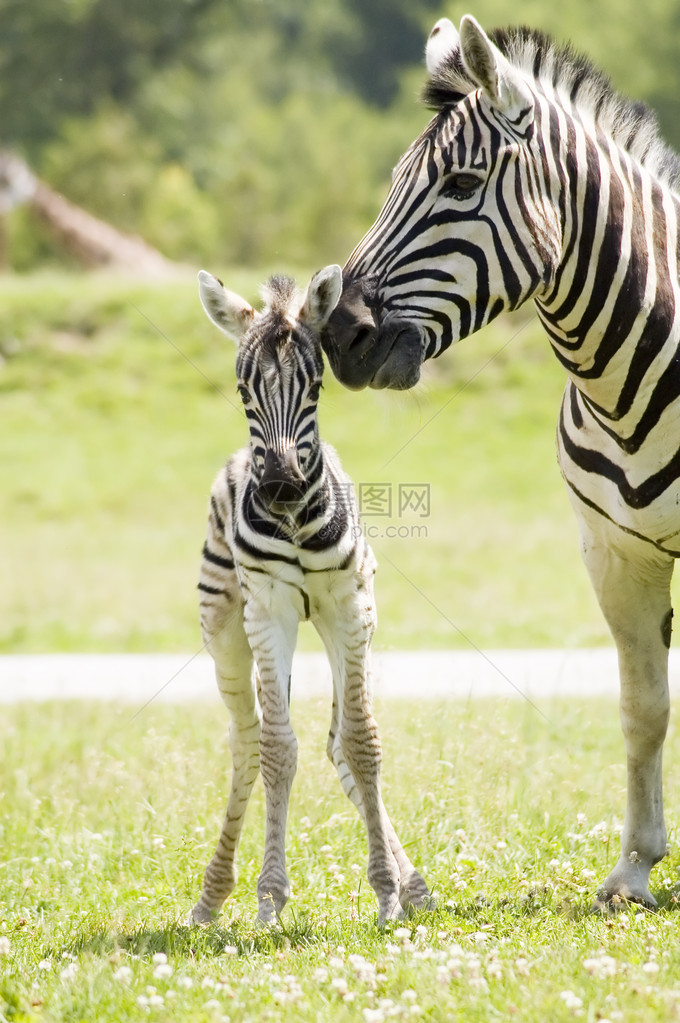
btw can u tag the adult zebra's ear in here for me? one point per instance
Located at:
(226, 309)
(322, 295)
(442, 43)
(502, 83)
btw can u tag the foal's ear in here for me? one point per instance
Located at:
(227, 310)
(322, 296)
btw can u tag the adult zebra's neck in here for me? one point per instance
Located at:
(612, 311)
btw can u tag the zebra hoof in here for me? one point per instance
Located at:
(414, 893)
(202, 916)
(609, 905)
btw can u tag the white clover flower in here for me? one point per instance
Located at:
(571, 1000)
(69, 972)
(650, 968)
(494, 970)
(123, 975)
(374, 1016)
(184, 981)
(158, 958)
(522, 966)
(320, 975)
(45, 964)
(402, 934)
(212, 1005)
(163, 971)
(443, 975)
(4, 946)
(142, 1002)
(339, 985)
(156, 1001)
(230, 950)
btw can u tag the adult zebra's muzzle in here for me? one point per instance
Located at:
(362, 351)
(282, 481)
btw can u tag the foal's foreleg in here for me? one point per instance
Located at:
(233, 668)
(273, 642)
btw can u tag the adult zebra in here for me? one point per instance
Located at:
(536, 180)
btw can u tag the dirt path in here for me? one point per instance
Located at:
(437, 675)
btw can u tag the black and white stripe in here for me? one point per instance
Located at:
(536, 180)
(284, 545)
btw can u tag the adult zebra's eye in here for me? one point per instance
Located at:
(245, 395)
(315, 390)
(460, 186)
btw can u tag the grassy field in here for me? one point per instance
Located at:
(106, 826)
(118, 406)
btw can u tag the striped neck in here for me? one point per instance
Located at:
(612, 307)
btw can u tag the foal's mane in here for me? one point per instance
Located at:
(570, 75)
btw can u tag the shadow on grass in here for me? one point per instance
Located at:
(485, 912)
(177, 940)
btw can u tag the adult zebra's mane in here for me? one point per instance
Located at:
(632, 125)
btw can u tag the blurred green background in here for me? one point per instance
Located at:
(257, 131)
(250, 136)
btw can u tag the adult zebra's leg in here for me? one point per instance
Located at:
(227, 642)
(632, 583)
(272, 631)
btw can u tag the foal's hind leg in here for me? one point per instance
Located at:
(633, 588)
(413, 892)
(346, 627)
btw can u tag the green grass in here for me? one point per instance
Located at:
(118, 406)
(107, 821)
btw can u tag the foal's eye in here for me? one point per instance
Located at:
(460, 185)
(315, 390)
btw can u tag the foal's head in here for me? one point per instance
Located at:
(279, 367)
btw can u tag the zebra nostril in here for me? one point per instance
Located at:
(361, 338)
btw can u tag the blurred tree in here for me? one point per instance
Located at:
(260, 131)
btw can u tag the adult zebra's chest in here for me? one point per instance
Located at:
(631, 477)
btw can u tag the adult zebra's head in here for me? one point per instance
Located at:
(468, 228)
(279, 365)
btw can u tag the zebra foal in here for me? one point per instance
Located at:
(283, 545)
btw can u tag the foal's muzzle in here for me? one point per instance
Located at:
(282, 481)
